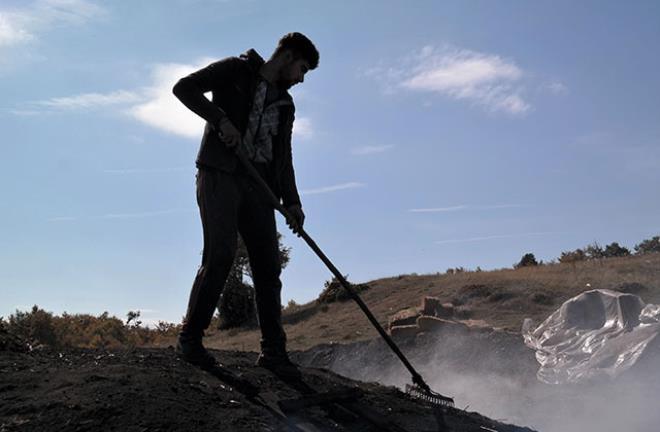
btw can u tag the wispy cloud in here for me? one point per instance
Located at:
(147, 170)
(464, 207)
(326, 189)
(486, 80)
(145, 214)
(153, 104)
(22, 25)
(136, 215)
(367, 150)
(91, 100)
(555, 87)
(493, 237)
(62, 219)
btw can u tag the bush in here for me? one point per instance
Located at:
(334, 291)
(648, 246)
(615, 250)
(527, 260)
(39, 327)
(291, 305)
(572, 256)
(36, 326)
(594, 251)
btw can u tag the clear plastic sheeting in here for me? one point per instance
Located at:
(597, 334)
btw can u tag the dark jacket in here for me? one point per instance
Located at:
(232, 82)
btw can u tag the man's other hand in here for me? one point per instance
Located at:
(228, 133)
(297, 218)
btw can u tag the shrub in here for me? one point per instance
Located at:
(36, 326)
(594, 251)
(39, 327)
(527, 260)
(291, 304)
(334, 291)
(648, 246)
(572, 256)
(615, 250)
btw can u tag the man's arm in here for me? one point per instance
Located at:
(290, 197)
(288, 179)
(190, 89)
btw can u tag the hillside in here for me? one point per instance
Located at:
(500, 298)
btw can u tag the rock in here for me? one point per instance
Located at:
(433, 324)
(404, 332)
(404, 317)
(477, 325)
(433, 306)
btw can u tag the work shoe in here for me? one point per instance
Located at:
(279, 364)
(191, 350)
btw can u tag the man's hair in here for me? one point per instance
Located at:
(300, 46)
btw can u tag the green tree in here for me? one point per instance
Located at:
(236, 306)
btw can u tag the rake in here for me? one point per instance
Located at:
(420, 389)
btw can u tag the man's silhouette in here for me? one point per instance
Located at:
(252, 108)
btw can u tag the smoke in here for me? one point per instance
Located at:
(494, 374)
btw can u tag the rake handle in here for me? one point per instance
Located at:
(416, 377)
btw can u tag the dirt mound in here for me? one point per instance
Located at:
(151, 390)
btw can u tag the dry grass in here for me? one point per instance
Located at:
(502, 298)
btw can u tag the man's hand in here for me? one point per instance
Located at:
(297, 218)
(228, 133)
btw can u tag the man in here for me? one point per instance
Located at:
(250, 109)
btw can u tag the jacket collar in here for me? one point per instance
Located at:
(254, 62)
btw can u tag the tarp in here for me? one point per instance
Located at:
(597, 334)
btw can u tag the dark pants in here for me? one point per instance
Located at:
(231, 203)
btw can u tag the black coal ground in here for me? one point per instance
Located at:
(151, 390)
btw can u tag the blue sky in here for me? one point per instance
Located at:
(432, 135)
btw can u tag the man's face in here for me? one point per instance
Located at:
(293, 73)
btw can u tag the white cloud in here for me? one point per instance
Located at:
(486, 80)
(10, 33)
(302, 128)
(367, 150)
(154, 105)
(91, 100)
(160, 109)
(326, 189)
(21, 25)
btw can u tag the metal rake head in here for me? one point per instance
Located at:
(429, 395)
